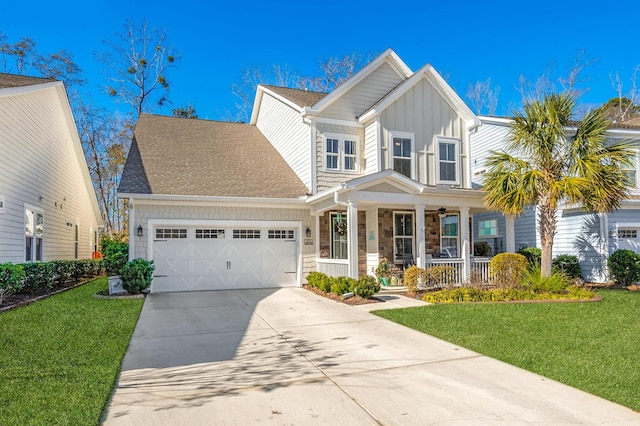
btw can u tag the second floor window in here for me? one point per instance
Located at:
(341, 153)
(402, 146)
(448, 166)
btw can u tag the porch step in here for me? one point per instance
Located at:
(392, 289)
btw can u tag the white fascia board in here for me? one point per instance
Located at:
(386, 176)
(388, 55)
(193, 200)
(338, 122)
(21, 90)
(504, 121)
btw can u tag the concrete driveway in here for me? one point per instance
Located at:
(287, 356)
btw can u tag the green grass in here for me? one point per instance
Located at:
(60, 356)
(591, 346)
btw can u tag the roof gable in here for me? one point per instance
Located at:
(189, 157)
(14, 80)
(431, 75)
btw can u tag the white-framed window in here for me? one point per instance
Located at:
(488, 228)
(402, 148)
(34, 234)
(450, 236)
(627, 233)
(209, 234)
(403, 237)
(448, 164)
(281, 234)
(246, 234)
(338, 232)
(341, 153)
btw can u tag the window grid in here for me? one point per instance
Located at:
(349, 155)
(170, 233)
(341, 153)
(628, 233)
(281, 234)
(209, 233)
(488, 228)
(244, 234)
(448, 153)
(403, 237)
(333, 153)
(402, 155)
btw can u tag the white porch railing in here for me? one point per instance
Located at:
(333, 267)
(479, 268)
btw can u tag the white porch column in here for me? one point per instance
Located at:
(420, 241)
(510, 234)
(352, 238)
(372, 240)
(465, 241)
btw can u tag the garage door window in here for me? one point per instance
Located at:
(281, 234)
(628, 233)
(246, 234)
(209, 233)
(168, 233)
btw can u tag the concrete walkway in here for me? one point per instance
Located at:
(290, 357)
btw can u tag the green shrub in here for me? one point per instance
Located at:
(62, 271)
(535, 282)
(568, 264)
(116, 253)
(532, 254)
(412, 276)
(38, 275)
(136, 275)
(624, 267)
(441, 276)
(86, 268)
(507, 269)
(366, 286)
(341, 285)
(11, 279)
(319, 280)
(472, 294)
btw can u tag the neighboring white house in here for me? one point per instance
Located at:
(48, 207)
(334, 182)
(589, 236)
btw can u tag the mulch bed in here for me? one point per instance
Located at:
(21, 299)
(355, 300)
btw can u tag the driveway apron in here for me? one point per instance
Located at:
(288, 356)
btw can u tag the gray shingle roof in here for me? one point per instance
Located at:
(181, 156)
(12, 80)
(302, 98)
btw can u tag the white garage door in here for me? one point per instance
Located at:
(220, 258)
(628, 238)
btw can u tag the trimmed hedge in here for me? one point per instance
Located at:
(31, 277)
(624, 267)
(568, 264)
(364, 286)
(472, 294)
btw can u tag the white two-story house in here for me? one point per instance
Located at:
(48, 207)
(378, 168)
(590, 236)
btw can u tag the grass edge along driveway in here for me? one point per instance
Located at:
(61, 356)
(590, 346)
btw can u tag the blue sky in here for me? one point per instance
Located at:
(464, 41)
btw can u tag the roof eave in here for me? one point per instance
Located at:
(212, 199)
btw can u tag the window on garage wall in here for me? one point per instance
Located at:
(169, 233)
(244, 234)
(209, 233)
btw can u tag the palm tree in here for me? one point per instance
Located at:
(549, 162)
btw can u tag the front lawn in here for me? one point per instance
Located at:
(60, 356)
(591, 346)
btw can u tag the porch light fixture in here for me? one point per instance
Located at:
(308, 232)
(442, 212)
(139, 230)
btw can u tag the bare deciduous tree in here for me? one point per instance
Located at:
(624, 105)
(482, 96)
(138, 61)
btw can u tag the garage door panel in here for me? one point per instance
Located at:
(251, 260)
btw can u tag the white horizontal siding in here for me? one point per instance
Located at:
(364, 94)
(371, 149)
(39, 165)
(579, 234)
(488, 137)
(283, 127)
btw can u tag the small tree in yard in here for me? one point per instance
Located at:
(547, 164)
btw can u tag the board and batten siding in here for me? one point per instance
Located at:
(425, 113)
(146, 211)
(365, 94)
(284, 128)
(41, 167)
(330, 179)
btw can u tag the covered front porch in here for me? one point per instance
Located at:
(387, 216)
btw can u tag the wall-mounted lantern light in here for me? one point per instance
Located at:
(442, 212)
(139, 230)
(308, 232)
